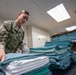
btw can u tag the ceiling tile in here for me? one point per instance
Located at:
(47, 4)
(3, 2)
(28, 5)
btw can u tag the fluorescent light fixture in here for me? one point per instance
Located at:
(70, 28)
(59, 13)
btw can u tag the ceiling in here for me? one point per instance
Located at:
(38, 16)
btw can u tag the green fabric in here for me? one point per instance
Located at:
(43, 51)
(58, 43)
(18, 56)
(38, 72)
(43, 48)
(41, 72)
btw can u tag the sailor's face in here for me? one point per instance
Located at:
(22, 18)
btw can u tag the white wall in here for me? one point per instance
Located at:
(36, 34)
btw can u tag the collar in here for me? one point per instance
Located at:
(15, 26)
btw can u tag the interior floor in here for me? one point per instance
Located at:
(71, 70)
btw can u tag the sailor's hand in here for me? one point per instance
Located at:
(2, 55)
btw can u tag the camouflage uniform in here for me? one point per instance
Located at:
(11, 36)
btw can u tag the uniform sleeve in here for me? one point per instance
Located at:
(20, 46)
(23, 47)
(4, 28)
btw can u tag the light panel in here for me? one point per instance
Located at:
(59, 13)
(70, 28)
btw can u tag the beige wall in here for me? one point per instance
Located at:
(1, 20)
(29, 36)
(33, 36)
(39, 36)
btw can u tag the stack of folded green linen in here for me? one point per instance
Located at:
(73, 58)
(25, 64)
(59, 57)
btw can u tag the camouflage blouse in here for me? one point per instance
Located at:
(11, 36)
